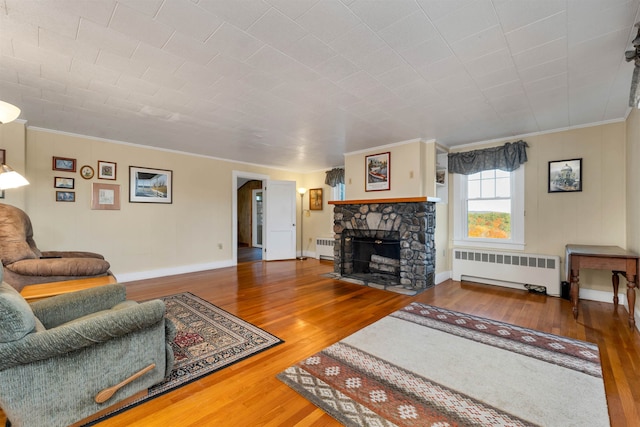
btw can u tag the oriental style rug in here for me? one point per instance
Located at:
(428, 366)
(207, 340)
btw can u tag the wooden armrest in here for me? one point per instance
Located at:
(106, 394)
(46, 290)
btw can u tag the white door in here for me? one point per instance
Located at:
(280, 220)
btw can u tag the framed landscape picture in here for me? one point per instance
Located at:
(565, 176)
(148, 185)
(63, 182)
(64, 164)
(377, 169)
(65, 196)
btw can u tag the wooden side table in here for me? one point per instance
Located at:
(612, 258)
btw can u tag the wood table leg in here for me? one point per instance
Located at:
(632, 284)
(574, 292)
(615, 279)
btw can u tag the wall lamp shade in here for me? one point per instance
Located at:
(10, 178)
(8, 112)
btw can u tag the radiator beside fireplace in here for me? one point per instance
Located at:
(324, 247)
(514, 270)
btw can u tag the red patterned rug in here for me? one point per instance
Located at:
(207, 340)
(427, 366)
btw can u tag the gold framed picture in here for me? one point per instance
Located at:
(315, 199)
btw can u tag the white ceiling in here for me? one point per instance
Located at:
(297, 83)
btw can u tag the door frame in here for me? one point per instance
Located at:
(254, 222)
(234, 209)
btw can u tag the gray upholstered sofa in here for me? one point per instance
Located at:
(57, 354)
(25, 264)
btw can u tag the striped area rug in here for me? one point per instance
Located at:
(428, 366)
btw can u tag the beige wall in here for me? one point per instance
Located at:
(12, 140)
(140, 237)
(596, 215)
(317, 223)
(633, 186)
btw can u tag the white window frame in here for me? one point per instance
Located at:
(460, 234)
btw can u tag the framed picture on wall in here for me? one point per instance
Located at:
(150, 185)
(377, 172)
(3, 157)
(64, 164)
(105, 196)
(565, 176)
(106, 170)
(63, 182)
(65, 196)
(315, 199)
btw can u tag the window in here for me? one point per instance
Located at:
(489, 209)
(338, 192)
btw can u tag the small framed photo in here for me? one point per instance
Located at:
(105, 196)
(65, 196)
(63, 182)
(315, 199)
(148, 185)
(64, 164)
(565, 176)
(106, 170)
(377, 169)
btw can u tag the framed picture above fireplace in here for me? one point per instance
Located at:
(377, 172)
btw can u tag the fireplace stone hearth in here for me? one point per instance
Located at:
(411, 220)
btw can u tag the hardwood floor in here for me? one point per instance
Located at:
(309, 312)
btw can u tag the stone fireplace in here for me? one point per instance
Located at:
(386, 242)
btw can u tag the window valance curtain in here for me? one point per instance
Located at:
(334, 177)
(508, 158)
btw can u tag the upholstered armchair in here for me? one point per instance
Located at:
(61, 357)
(25, 264)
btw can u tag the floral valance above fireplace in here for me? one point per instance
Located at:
(507, 157)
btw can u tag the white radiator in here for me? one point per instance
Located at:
(514, 270)
(324, 247)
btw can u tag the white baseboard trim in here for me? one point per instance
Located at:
(442, 276)
(602, 296)
(171, 271)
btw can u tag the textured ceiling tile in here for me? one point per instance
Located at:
(337, 68)
(185, 47)
(472, 18)
(234, 42)
(188, 18)
(121, 64)
(380, 14)
(42, 14)
(310, 51)
(97, 11)
(277, 30)
(140, 26)
(408, 32)
(157, 58)
(540, 32)
(555, 49)
(105, 38)
(516, 14)
(479, 44)
(148, 7)
(328, 20)
(293, 8)
(72, 48)
(242, 14)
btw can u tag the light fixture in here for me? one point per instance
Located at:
(301, 190)
(8, 112)
(10, 178)
(634, 55)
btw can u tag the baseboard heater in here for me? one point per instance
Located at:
(324, 247)
(514, 270)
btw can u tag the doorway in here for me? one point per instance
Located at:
(249, 220)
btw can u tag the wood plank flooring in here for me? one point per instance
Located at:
(291, 300)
